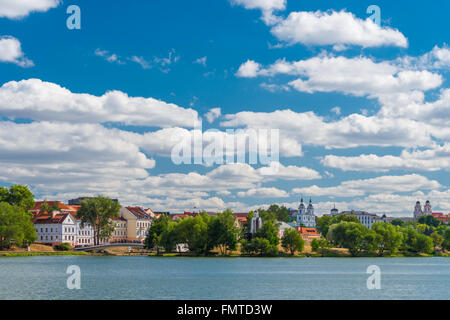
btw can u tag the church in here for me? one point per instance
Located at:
(418, 212)
(305, 216)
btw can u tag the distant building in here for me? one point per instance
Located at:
(77, 201)
(305, 216)
(367, 219)
(138, 222)
(443, 218)
(256, 223)
(282, 228)
(308, 234)
(55, 228)
(418, 212)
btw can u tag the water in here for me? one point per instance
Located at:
(45, 277)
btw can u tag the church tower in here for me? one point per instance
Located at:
(418, 210)
(306, 216)
(427, 208)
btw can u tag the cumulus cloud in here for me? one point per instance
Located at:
(266, 6)
(11, 51)
(386, 184)
(264, 193)
(249, 69)
(335, 28)
(38, 100)
(433, 159)
(359, 76)
(351, 131)
(14, 9)
(213, 114)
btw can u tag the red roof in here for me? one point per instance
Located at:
(138, 212)
(46, 218)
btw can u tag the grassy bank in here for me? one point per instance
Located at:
(30, 254)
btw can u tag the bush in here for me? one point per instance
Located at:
(63, 247)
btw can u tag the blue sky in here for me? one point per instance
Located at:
(362, 110)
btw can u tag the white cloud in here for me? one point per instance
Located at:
(335, 28)
(38, 100)
(336, 110)
(11, 51)
(14, 9)
(248, 69)
(433, 159)
(141, 61)
(351, 131)
(110, 57)
(386, 184)
(201, 61)
(264, 193)
(276, 171)
(358, 76)
(266, 6)
(213, 114)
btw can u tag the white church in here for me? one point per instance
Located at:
(305, 216)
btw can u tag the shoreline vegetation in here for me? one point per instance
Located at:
(222, 235)
(42, 250)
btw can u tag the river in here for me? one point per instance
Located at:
(44, 277)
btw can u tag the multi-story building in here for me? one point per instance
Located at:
(120, 230)
(138, 222)
(443, 218)
(367, 219)
(55, 228)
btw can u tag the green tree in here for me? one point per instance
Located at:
(398, 222)
(446, 242)
(15, 226)
(437, 239)
(429, 221)
(155, 231)
(17, 195)
(324, 223)
(194, 232)
(223, 232)
(269, 231)
(292, 241)
(389, 238)
(423, 244)
(98, 212)
(321, 245)
(353, 236)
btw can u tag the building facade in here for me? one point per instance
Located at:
(138, 222)
(418, 212)
(305, 216)
(55, 228)
(367, 219)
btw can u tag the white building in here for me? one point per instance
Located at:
(306, 216)
(367, 219)
(56, 228)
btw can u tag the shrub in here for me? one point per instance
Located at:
(63, 247)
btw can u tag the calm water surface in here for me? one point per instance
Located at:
(45, 277)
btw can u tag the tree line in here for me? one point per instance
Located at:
(203, 233)
(427, 235)
(15, 219)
